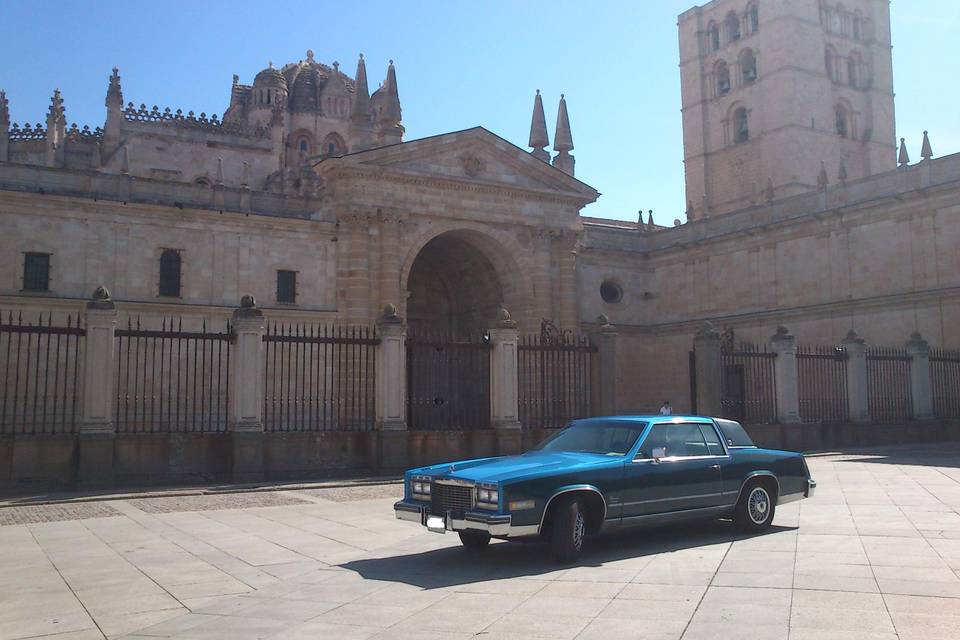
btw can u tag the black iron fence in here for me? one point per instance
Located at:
(945, 382)
(39, 374)
(448, 381)
(748, 384)
(319, 378)
(888, 383)
(554, 379)
(822, 384)
(171, 380)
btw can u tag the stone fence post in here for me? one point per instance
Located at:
(603, 383)
(504, 392)
(246, 391)
(857, 384)
(391, 390)
(920, 387)
(787, 380)
(706, 347)
(97, 430)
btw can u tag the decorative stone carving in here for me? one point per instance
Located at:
(390, 314)
(101, 299)
(707, 330)
(473, 165)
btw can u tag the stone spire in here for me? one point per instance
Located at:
(904, 158)
(389, 129)
(56, 130)
(111, 129)
(538, 131)
(650, 224)
(926, 152)
(4, 128)
(361, 133)
(563, 140)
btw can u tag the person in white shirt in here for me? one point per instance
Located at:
(666, 409)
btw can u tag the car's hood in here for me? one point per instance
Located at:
(523, 466)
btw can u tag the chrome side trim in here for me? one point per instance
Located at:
(578, 487)
(674, 515)
(654, 500)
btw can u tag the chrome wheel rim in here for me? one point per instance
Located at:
(578, 531)
(758, 505)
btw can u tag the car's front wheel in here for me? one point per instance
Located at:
(567, 529)
(474, 539)
(754, 512)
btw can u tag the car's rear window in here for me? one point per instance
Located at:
(734, 433)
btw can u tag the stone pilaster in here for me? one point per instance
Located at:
(920, 387)
(604, 375)
(706, 346)
(857, 383)
(785, 367)
(246, 391)
(95, 467)
(504, 392)
(391, 390)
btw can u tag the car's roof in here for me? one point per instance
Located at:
(643, 418)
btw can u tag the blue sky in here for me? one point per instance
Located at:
(459, 64)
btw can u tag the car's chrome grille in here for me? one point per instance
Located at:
(451, 497)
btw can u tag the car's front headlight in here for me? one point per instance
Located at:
(420, 487)
(488, 497)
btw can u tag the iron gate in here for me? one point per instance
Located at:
(554, 377)
(748, 384)
(448, 381)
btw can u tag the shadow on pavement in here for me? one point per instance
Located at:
(457, 565)
(943, 454)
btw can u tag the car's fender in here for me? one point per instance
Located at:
(757, 474)
(569, 489)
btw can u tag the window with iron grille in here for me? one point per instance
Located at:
(170, 273)
(36, 272)
(287, 286)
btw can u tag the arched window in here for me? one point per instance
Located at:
(853, 70)
(713, 36)
(732, 23)
(170, 273)
(334, 146)
(753, 17)
(748, 66)
(836, 20)
(842, 115)
(741, 128)
(857, 25)
(722, 72)
(304, 146)
(830, 63)
(202, 181)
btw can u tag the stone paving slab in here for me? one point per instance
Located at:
(874, 556)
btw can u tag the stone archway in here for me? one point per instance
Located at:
(455, 286)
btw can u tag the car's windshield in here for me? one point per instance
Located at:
(609, 439)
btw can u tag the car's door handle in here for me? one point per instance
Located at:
(715, 466)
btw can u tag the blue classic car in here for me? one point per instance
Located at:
(601, 473)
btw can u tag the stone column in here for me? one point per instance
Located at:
(246, 391)
(391, 390)
(785, 367)
(920, 387)
(604, 375)
(856, 350)
(706, 346)
(95, 443)
(504, 392)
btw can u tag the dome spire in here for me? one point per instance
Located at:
(926, 152)
(538, 131)
(904, 158)
(114, 93)
(360, 110)
(563, 140)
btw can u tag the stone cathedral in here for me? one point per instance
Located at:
(306, 195)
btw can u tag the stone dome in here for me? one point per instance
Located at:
(270, 78)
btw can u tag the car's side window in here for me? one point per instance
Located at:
(714, 445)
(679, 440)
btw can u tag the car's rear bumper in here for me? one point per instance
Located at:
(800, 495)
(497, 525)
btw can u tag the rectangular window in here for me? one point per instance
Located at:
(36, 272)
(287, 286)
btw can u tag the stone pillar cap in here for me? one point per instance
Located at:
(854, 337)
(248, 308)
(101, 300)
(782, 334)
(504, 320)
(390, 315)
(707, 332)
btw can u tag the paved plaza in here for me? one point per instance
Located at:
(874, 556)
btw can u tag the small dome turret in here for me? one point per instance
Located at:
(270, 78)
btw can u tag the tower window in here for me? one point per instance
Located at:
(287, 286)
(36, 272)
(304, 145)
(753, 17)
(853, 71)
(331, 149)
(723, 78)
(733, 27)
(741, 128)
(170, 273)
(748, 66)
(830, 63)
(713, 36)
(611, 292)
(843, 124)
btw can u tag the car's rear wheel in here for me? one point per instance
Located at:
(754, 512)
(567, 529)
(474, 539)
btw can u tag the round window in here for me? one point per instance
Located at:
(611, 292)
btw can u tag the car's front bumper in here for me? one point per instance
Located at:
(497, 525)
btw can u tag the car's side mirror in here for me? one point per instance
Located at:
(659, 452)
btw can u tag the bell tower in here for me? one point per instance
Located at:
(770, 90)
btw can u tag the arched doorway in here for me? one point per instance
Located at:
(454, 288)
